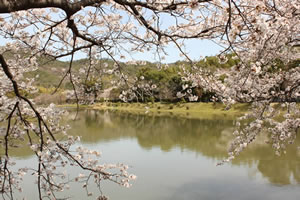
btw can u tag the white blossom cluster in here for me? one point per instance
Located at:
(139, 90)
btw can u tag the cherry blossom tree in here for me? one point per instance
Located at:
(262, 34)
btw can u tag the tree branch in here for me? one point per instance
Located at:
(7, 6)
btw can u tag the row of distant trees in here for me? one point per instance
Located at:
(164, 84)
(149, 82)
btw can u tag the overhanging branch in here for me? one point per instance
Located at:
(7, 6)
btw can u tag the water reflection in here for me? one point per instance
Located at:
(209, 138)
(176, 157)
(150, 131)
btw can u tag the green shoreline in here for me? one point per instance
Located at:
(187, 110)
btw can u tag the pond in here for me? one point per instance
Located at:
(175, 159)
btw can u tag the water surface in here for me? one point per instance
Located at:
(175, 159)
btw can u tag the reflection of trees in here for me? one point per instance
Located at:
(192, 134)
(165, 132)
(280, 172)
(18, 148)
(208, 137)
(22, 151)
(95, 126)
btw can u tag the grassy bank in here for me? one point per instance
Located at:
(189, 110)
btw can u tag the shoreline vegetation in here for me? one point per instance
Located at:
(197, 110)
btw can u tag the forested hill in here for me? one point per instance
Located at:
(50, 72)
(163, 80)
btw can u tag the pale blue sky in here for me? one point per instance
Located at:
(195, 48)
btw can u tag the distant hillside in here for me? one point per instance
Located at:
(50, 72)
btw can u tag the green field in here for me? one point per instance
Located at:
(190, 110)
